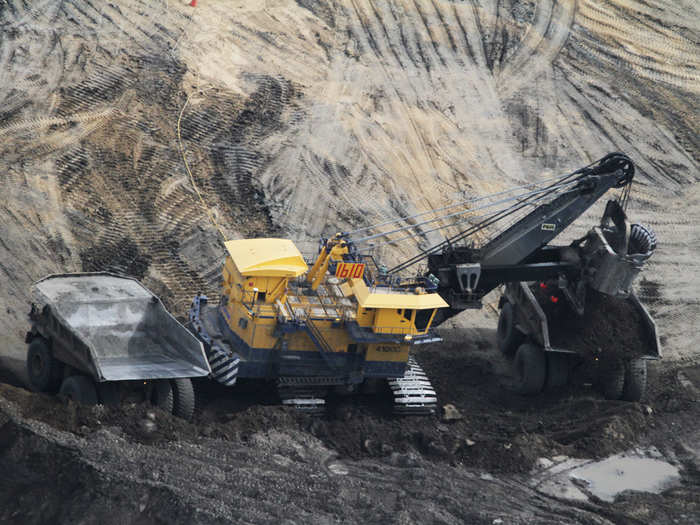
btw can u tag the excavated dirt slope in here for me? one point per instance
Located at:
(304, 118)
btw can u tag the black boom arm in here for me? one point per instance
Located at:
(521, 252)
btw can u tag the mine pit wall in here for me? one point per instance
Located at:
(423, 102)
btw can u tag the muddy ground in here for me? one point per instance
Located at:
(245, 458)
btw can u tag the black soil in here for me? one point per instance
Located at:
(122, 257)
(608, 326)
(500, 431)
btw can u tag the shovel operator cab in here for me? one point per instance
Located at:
(330, 326)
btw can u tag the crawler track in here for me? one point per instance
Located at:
(413, 394)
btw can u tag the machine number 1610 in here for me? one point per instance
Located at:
(350, 270)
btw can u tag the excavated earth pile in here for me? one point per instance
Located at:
(605, 319)
(137, 136)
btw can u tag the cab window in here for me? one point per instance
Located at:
(422, 319)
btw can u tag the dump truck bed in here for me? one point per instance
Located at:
(128, 333)
(536, 323)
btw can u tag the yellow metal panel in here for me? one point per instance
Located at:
(390, 321)
(346, 289)
(264, 335)
(365, 316)
(381, 297)
(266, 257)
(235, 313)
(317, 264)
(300, 341)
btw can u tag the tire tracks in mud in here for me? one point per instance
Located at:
(606, 129)
(403, 108)
(373, 44)
(620, 126)
(667, 57)
(428, 47)
(45, 122)
(540, 46)
(446, 59)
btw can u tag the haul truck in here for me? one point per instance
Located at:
(603, 263)
(104, 338)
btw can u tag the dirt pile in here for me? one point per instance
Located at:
(99, 475)
(609, 325)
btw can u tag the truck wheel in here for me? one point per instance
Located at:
(183, 398)
(162, 396)
(613, 380)
(530, 369)
(509, 337)
(108, 393)
(79, 389)
(557, 370)
(635, 380)
(43, 370)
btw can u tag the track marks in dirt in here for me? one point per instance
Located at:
(421, 47)
(45, 122)
(622, 36)
(660, 156)
(370, 35)
(410, 84)
(540, 46)
(110, 132)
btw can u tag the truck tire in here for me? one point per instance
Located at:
(635, 380)
(557, 370)
(43, 370)
(79, 389)
(183, 398)
(162, 396)
(530, 367)
(508, 336)
(108, 393)
(612, 380)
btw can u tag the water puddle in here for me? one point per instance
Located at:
(579, 479)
